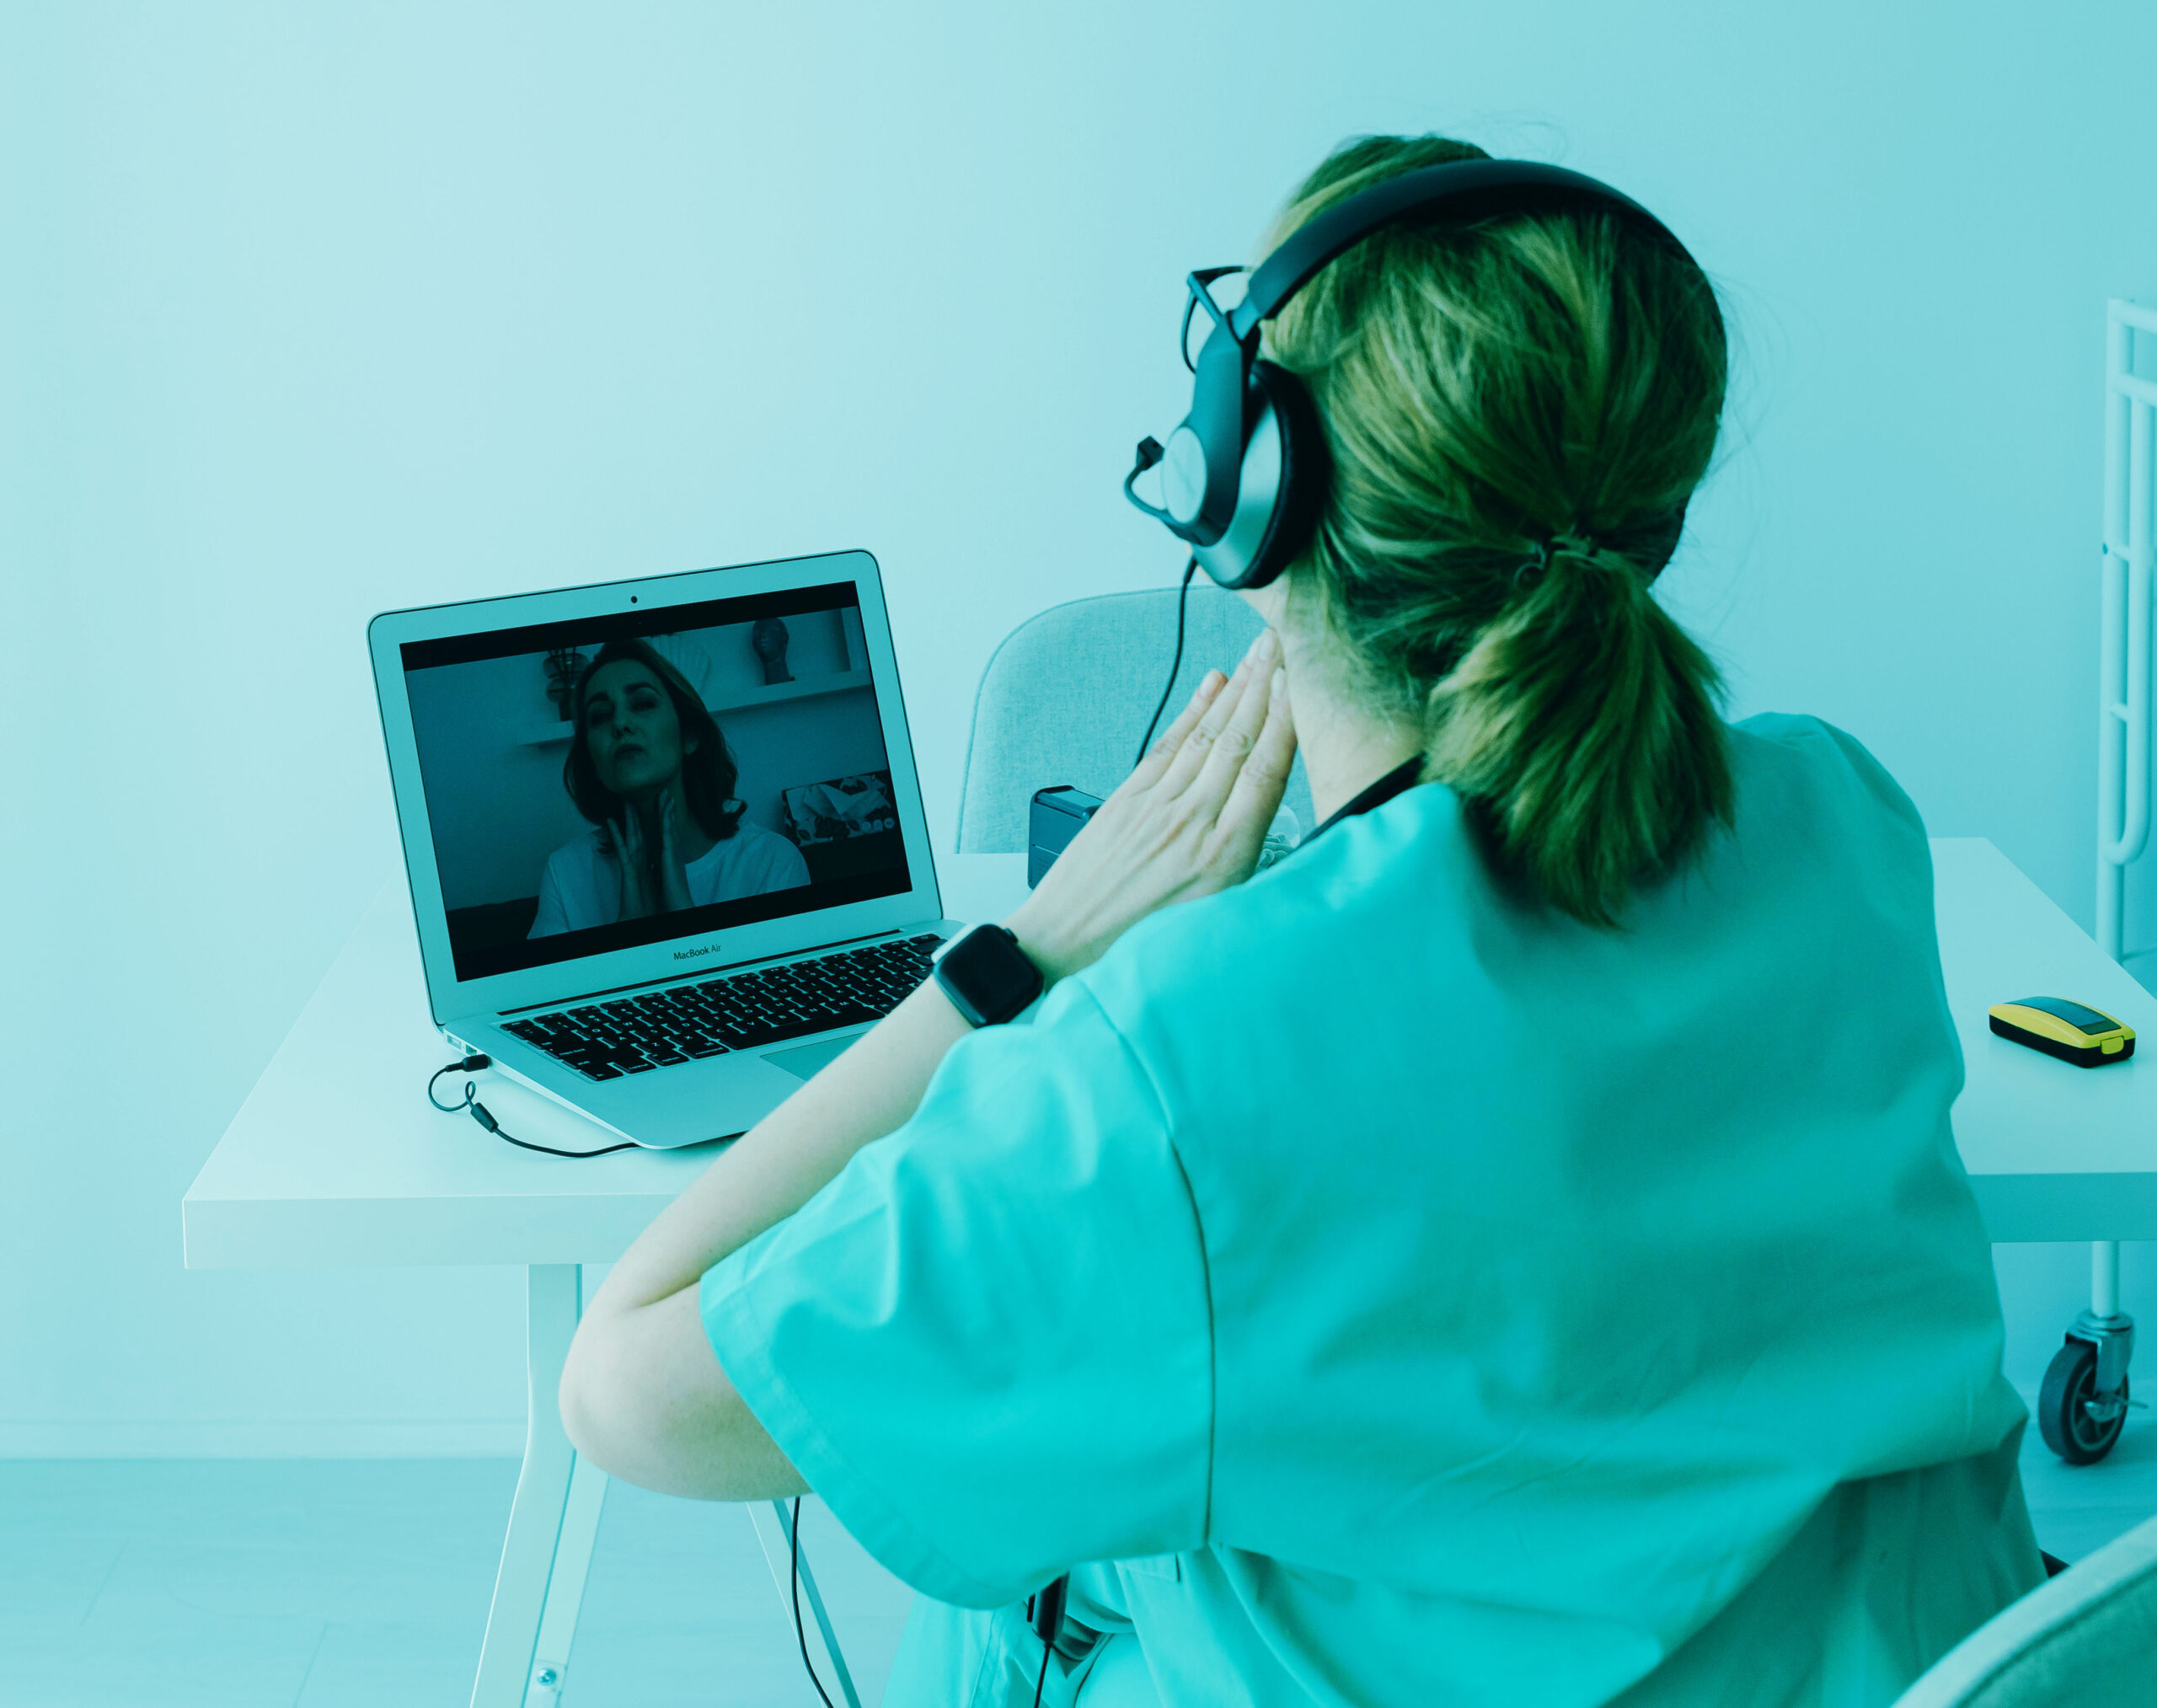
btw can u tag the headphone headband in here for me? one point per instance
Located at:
(1467, 189)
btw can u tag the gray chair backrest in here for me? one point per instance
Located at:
(2088, 1639)
(1066, 697)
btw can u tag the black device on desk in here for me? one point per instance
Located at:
(1055, 816)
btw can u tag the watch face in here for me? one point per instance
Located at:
(991, 972)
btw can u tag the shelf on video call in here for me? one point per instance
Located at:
(763, 694)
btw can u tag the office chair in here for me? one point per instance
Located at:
(1066, 696)
(2084, 1639)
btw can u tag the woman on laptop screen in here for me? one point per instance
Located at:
(649, 767)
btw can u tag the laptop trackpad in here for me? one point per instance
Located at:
(809, 1058)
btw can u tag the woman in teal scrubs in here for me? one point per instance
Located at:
(1512, 1251)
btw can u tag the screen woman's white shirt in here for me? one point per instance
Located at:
(580, 888)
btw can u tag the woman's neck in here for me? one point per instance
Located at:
(1345, 747)
(690, 837)
(691, 840)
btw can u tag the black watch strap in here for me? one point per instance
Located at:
(987, 976)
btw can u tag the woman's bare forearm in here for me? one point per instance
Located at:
(643, 1394)
(787, 1157)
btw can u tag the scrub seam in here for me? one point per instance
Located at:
(1205, 1262)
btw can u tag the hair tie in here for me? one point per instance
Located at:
(1541, 551)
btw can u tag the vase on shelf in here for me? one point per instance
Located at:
(768, 640)
(564, 666)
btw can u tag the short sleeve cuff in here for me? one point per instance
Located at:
(743, 1342)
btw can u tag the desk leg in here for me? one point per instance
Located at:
(552, 1521)
(775, 1531)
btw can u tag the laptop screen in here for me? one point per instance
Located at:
(625, 779)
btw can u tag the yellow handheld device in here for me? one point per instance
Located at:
(2070, 1031)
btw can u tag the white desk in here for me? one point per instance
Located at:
(336, 1160)
(2054, 1151)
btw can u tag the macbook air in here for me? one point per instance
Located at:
(665, 840)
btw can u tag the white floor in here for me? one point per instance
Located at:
(2079, 1508)
(338, 1584)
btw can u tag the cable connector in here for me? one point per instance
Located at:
(1046, 1611)
(476, 1063)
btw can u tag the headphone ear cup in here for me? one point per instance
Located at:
(1306, 478)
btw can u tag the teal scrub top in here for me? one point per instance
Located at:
(1387, 1290)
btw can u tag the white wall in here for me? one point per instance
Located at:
(309, 313)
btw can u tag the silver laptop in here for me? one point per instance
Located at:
(664, 840)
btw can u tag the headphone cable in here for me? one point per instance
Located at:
(794, 1571)
(1175, 664)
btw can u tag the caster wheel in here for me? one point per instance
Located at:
(2062, 1412)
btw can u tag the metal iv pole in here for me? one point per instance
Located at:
(2094, 1399)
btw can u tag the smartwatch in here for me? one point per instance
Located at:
(988, 976)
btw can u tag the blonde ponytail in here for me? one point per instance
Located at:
(1581, 723)
(1518, 411)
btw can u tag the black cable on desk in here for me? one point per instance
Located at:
(479, 1111)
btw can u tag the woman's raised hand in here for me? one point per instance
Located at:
(1190, 820)
(673, 873)
(624, 840)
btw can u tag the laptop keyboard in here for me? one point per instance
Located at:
(744, 1011)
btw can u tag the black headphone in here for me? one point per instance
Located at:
(1244, 477)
